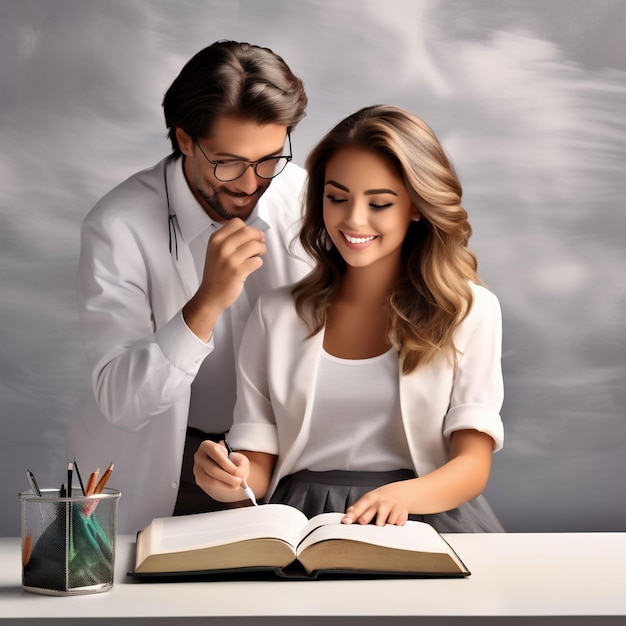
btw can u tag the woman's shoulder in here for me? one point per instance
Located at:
(483, 296)
(276, 313)
(485, 305)
(276, 303)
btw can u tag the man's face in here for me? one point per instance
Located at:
(231, 140)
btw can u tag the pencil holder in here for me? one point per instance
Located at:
(68, 544)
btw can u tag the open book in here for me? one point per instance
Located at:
(280, 539)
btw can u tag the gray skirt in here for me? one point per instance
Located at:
(334, 491)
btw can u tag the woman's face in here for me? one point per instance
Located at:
(366, 207)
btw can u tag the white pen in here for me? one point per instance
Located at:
(244, 484)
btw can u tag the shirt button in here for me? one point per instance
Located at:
(174, 485)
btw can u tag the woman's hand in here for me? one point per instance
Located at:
(384, 504)
(462, 478)
(219, 474)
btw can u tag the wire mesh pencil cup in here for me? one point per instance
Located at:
(68, 543)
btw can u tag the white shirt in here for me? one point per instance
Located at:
(279, 365)
(142, 357)
(213, 389)
(356, 423)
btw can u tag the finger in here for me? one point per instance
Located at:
(212, 460)
(246, 252)
(237, 264)
(367, 516)
(381, 517)
(348, 518)
(360, 512)
(214, 451)
(239, 460)
(402, 519)
(211, 476)
(234, 234)
(394, 517)
(229, 227)
(249, 267)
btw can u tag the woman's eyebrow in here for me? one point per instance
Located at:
(334, 183)
(373, 192)
(369, 192)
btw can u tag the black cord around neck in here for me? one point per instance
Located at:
(171, 216)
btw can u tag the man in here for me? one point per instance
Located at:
(171, 262)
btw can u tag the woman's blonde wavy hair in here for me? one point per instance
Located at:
(433, 293)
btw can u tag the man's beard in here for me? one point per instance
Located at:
(211, 196)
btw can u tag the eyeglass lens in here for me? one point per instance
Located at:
(266, 168)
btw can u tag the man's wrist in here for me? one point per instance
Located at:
(200, 319)
(181, 346)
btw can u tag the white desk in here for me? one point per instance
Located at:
(565, 579)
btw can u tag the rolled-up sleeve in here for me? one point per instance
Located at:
(478, 387)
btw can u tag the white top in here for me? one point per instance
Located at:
(355, 420)
(279, 366)
(142, 357)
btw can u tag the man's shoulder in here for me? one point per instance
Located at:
(140, 194)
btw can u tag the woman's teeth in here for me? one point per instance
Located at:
(356, 240)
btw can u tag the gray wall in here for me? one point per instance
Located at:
(527, 96)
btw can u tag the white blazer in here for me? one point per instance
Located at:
(277, 376)
(141, 355)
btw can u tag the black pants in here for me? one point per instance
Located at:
(191, 499)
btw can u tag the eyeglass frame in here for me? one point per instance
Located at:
(254, 164)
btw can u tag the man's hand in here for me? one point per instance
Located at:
(233, 253)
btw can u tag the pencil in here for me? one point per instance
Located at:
(103, 480)
(247, 490)
(80, 478)
(70, 469)
(91, 483)
(27, 549)
(33, 483)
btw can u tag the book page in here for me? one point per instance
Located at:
(412, 536)
(202, 530)
(323, 519)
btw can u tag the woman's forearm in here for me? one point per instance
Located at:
(461, 479)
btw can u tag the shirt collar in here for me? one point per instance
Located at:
(192, 218)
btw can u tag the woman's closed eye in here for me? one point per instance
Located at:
(373, 205)
(335, 199)
(380, 207)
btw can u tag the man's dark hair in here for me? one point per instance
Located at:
(237, 80)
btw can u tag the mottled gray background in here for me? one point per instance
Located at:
(529, 98)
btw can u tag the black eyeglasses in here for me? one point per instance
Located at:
(232, 169)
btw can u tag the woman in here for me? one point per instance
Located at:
(374, 385)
